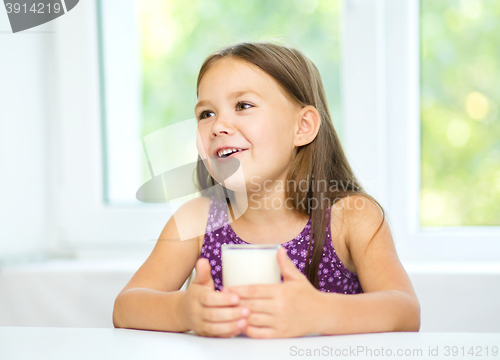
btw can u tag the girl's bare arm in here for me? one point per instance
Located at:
(150, 300)
(389, 302)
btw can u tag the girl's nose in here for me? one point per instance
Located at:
(220, 133)
(221, 127)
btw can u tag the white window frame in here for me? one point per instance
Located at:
(380, 79)
(87, 226)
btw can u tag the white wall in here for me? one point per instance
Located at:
(458, 302)
(24, 116)
(82, 294)
(62, 293)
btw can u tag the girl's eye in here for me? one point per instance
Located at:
(205, 114)
(243, 106)
(239, 106)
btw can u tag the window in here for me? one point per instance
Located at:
(381, 92)
(460, 119)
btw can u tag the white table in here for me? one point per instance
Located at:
(123, 344)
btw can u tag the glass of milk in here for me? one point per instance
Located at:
(246, 264)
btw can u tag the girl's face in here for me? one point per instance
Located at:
(242, 107)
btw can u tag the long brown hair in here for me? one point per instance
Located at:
(322, 161)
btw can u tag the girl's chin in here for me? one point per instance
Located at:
(237, 188)
(233, 183)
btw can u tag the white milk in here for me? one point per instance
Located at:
(247, 264)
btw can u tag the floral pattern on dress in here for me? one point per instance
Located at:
(333, 276)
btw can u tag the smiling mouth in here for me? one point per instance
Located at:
(229, 152)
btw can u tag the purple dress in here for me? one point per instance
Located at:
(333, 275)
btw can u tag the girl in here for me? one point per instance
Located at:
(341, 273)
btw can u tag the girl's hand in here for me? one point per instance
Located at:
(209, 312)
(280, 310)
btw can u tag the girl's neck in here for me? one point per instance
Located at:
(261, 222)
(264, 209)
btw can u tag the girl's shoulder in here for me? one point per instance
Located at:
(198, 210)
(191, 218)
(348, 216)
(360, 214)
(338, 230)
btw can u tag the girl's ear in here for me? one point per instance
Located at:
(308, 126)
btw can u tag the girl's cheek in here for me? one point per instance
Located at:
(201, 144)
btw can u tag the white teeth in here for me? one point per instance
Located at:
(227, 151)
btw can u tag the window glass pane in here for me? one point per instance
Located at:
(460, 119)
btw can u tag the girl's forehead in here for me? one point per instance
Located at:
(233, 74)
(233, 63)
(236, 70)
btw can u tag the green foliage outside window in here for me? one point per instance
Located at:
(460, 118)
